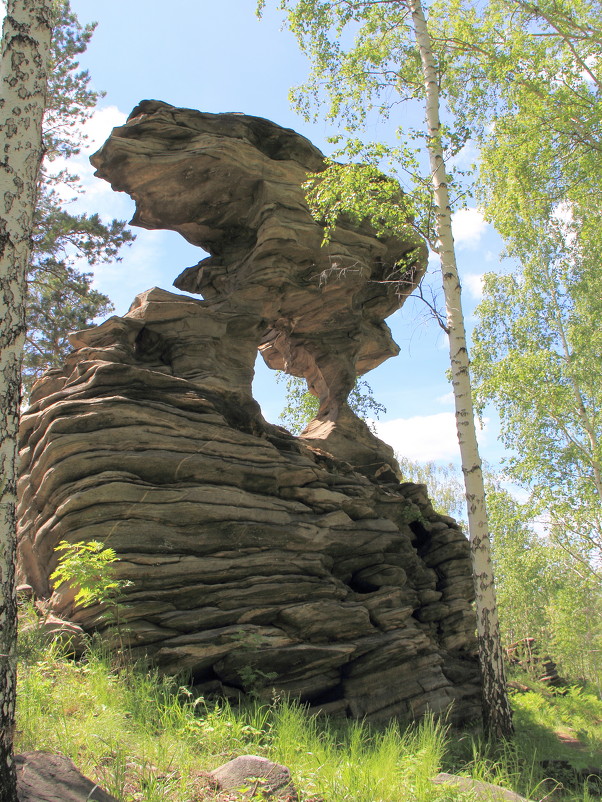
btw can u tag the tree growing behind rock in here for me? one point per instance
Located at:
(444, 484)
(542, 591)
(61, 296)
(367, 58)
(301, 406)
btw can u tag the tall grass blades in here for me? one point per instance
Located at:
(145, 737)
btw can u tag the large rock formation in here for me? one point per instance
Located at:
(256, 559)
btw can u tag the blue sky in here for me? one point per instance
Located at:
(218, 57)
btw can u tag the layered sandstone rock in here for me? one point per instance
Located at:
(232, 184)
(256, 559)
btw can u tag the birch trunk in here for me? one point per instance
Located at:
(496, 710)
(23, 73)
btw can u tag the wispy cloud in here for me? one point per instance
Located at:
(427, 437)
(422, 437)
(97, 195)
(466, 156)
(473, 283)
(468, 226)
(100, 125)
(447, 399)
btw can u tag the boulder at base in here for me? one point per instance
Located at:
(256, 777)
(44, 777)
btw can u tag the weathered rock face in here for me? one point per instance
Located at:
(231, 184)
(256, 559)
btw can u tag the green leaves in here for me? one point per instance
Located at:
(543, 592)
(88, 566)
(444, 484)
(534, 99)
(301, 406)
(538, 342)
(537, 357)
(360, 193)
(366, 69)
(70, 99)
(61, 298)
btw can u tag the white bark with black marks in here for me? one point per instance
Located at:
(496, 709)
(23, 75)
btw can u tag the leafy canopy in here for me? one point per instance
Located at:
(535, 107)
(366, 70)
(543, 592)
(536, 357)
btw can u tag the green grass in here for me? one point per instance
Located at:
(146, 737)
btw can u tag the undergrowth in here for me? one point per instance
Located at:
(143, 736)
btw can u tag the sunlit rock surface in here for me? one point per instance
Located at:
(256, 559)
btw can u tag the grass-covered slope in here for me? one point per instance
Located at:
(145, 737)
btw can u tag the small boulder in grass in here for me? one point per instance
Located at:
(44, 777)
(252, 775)
(71, 635)
(479, 790)
(25, 593)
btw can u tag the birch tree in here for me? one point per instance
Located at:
(367, 57)
(23, 75)
(537, 360)
(538, 75)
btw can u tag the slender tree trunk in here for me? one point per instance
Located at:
(496, 710)
(23, 73)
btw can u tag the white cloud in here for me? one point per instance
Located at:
(446, 399)
(468, 226)
(427, 437)
(466, 156)
(422, 437)
(97, 129)
(473, 282)
(562, 215)
(100, 125)
(563, 212)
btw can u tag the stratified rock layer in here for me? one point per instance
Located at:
(255, 559)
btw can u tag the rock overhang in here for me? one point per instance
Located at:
(233, 185)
